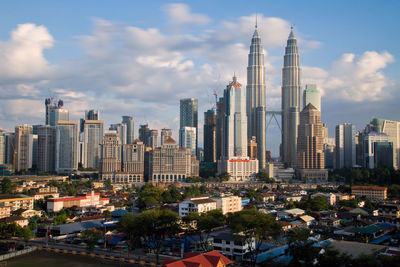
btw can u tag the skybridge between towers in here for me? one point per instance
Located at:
(273, 115)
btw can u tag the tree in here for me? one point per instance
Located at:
(301, 248)
(7, 187)
(107, 214)
(264, 176)
(253, 227)
(149, 196)
(224, 177)
(91, 237)
(203, 224)
(26, 234)
(152, 227)
(172, 195)
(108, 185)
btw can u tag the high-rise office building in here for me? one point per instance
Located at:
(153, 139)
(121, 129)
(165, 133)
(132, 163)
(312, 95)
(370, 140)
(67, 152)
(2, 147)
(392, 129)
(144, 134)
(310, 145)
(10, 140)
(187, 139)
(170, 163)
(52, 104)
(23, 145)
(256, 97)
(46, 148)
(219, 127)
(209, 136)
(234, 158)
(291, 101)
(92, 115)
(345, 149)
(252, 148)
(188, 115)
(111, 156)
(93, 137)
(130, 136)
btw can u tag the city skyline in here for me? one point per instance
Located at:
(184, 59)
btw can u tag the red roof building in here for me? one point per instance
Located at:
(209, 259)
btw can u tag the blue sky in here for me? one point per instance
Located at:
(139, 57)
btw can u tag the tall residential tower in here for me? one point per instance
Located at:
(291, 101)
(255, 97)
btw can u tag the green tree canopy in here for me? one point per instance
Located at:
(91, 237)
(7, 187)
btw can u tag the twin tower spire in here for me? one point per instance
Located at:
(256, 99)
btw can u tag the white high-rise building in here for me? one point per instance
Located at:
(2, 147)
(93, 137)
(312, 95)
(345, 150)
(187, 139)
(67, 139)
(291, 101)
(23, 147)
(235, 160)
(122, 130)
(255, 97)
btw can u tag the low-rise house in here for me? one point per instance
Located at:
(5, 211)
(307, 219)
(197, 204)
(16, 202)
(291, 198)
(295, 212)
(340, 196)
(229, 245)
(43, 195)
(19, 220)
(268, 197)
(329, 221)
(209, 259)
(28, 213)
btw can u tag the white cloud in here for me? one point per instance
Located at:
(21, 57)
(353, 78)
(180, 14)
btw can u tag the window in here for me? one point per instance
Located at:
(217, 240)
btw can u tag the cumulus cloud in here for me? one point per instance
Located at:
(21, 57)
(180, 14)
(353, 78)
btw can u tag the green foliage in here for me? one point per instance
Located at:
(91, 237)
(254, 194)
(32, 225)
(264, 177)
(193, 191)
(203, 224)
(171, 195)
(378, 176)
(394, 191)
(7, 187)
(149, 196)
(318, 203)
(61, 217)
(351, 203)
(224, 176)
(252, 225)
(13, 230)
(150, 228)
(107, 184)
(107, 213)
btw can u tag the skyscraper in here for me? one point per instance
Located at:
(92, 115)
(234, 158)
(2, 147)
(46, 148)
(111, 157)
(121, 129)
(187, 139)
(144, 134)
(255, 97)
(165, 133)
(67, 139)
(312, 95)
(51, 104)
(23, 146)
(392, 129)
(153, 139)
(93, 137)
(188, 114)
(209, 136)
(219, 127)
(291, 101)
(310, 145)
(345, 150)
(130, 136)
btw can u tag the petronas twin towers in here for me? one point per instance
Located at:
(291, 99)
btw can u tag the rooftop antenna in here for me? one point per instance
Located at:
(256, 20)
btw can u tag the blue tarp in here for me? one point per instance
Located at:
(380, 239)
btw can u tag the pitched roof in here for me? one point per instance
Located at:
(169, 140)
(209, 259)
